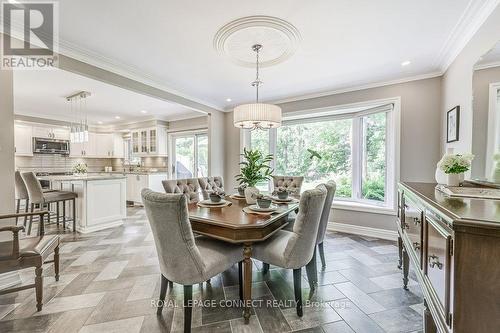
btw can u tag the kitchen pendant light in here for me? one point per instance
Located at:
(257, 115)
(79, 129)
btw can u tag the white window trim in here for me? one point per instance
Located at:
(171, 148)
(393, 124)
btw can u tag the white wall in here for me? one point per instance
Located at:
(216, 149)
(7, 161)
(457, 81)
(420, 137)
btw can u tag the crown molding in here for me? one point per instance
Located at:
(354, 88)
(473, 17)
(487, 65)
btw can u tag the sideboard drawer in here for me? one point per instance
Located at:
(438, 262)
(412, 226)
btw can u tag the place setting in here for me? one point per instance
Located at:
(215, 200)
(263, 205)
(282, 196)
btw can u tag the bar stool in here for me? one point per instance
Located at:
(21, 194)
(38, 197)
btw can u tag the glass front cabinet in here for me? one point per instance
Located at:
(149, 141)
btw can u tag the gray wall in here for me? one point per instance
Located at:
(420, 136)
(457, 81)
(6, 148)
(481, 88)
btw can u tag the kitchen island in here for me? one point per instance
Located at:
(101, 201)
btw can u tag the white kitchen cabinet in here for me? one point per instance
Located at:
(103, 145)
(137, 182)
(118, 149)
(51, 132)
(149, 141)
(23, 140)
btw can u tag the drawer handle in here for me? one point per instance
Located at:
(416, 220)
(406, 226)
(434, 261)
(416, 245)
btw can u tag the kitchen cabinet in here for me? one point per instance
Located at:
(84, 149)
(23, 140)
(137, 182)
(50, 132)
(149, 141)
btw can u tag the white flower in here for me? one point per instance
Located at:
(455, 163)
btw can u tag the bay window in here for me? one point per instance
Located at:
(356, 148)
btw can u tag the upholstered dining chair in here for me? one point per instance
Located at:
(294, 249)
(38, 197)
(209, 184)
(184, 259)
(291, 183)
(17, 254)
(188, 186)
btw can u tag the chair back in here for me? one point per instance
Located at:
(179, 257)
(292, 184)
(35, 192)
(189, 187)
(21, 190)
(331, 186)
(209, 184)
(300, 247)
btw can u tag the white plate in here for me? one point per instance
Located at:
(237, 195)
(256, 208)
(282, 200)
(211, 203)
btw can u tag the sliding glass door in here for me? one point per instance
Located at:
(190, 155)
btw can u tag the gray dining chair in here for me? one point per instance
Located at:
(188, 186)
(291, 183)
(184, 259)
(21, 194)
(295, 249)
(38, 197)
(209, 184)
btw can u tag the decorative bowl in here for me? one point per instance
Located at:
(215, 197)
(264, 202)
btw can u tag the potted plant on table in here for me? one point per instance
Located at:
(454, 166)
(254, 169)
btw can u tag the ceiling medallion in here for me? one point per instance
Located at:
(280, 37)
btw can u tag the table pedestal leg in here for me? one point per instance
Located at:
(247, 281)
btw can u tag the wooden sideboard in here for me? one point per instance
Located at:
(454, 247)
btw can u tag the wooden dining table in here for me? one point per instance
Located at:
(231, 224)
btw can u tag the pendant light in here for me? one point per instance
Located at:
(257, 115)
(79, 129)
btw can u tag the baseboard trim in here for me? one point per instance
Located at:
(9, 279)
(363, 231)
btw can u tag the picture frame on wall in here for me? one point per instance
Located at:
(453, 124)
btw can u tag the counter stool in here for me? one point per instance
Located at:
(21, 194)
(38, 197)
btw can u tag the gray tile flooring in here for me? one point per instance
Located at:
(109, 279)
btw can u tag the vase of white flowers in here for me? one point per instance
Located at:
(454, 166)
(80, 169)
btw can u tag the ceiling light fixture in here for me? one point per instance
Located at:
(99, 122)
(405, 63)
(228, 99)
(79, 129)
(117, 117)
(257, 115)
(144, 111)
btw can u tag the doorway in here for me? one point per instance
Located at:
(189, 155)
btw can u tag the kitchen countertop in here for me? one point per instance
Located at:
(84, 178)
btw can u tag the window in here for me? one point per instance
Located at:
(356, 148)
(190, 156)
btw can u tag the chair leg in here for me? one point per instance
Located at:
(240, 279)
(188, 308)
(163, 292)
(64, 215)
(26, 209)
(31, 218)
(39, 288)
(56, 262)
(74, 215)
(18, 206)
(48, 215)
(297, 288)
(322, 255)
(312, 272)
(57, 214)
(265, 268)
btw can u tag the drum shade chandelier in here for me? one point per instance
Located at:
(257, 115)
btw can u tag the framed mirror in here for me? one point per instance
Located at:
(486, 117)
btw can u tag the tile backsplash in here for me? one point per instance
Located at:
(58, 163)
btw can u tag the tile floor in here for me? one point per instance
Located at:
(110, 278)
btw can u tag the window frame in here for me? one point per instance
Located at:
(356, 112)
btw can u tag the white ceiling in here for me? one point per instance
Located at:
(345, 43)
(42, 94)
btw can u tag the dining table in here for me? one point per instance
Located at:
(233, 225)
